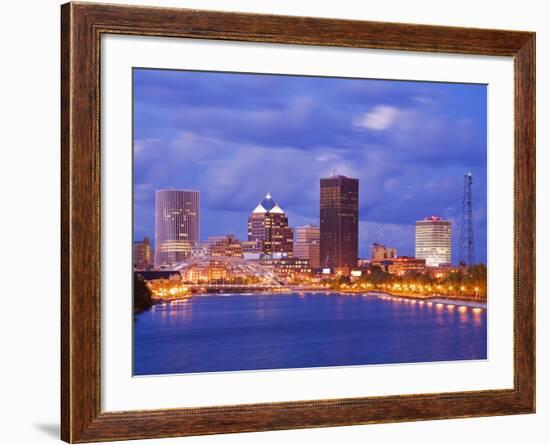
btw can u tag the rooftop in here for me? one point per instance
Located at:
(268, 204)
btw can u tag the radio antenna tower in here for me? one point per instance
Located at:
(466, 243)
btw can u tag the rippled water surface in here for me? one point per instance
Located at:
(272, 331)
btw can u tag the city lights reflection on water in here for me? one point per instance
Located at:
(270, 331)
(439, 305)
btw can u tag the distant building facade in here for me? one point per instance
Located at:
(287, 268)
(339, 222)
(252, 250)
(208, 272)
(160, 282)
(225, 245)
(433, 241)
(268, 224)
(307, 245)
(403, 265)
(177, 222)
(200, 250)
(142, 259)
(222, 246)
(381, 252)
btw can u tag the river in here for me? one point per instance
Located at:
(231, 332)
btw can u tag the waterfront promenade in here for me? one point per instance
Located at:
(236, 289)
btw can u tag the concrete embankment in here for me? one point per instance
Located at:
(457, 300)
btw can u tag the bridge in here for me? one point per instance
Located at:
(216, 287)
(234, 266)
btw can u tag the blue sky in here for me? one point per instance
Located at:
(235, 137)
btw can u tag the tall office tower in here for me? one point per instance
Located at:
(177, 221)
(307, 245)
(268, 224)
(339, 215)
(142, 254)
(433, 241)
(381, 252)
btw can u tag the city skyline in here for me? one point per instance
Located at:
(269, 233)
(234, 165)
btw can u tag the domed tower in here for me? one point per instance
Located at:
(268, 225)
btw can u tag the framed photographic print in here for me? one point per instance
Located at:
(276, 222)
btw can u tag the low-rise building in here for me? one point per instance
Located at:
(401, 265)
(200, 250)
(205, 273)
(442, 272)
(287, 267)
(162, 283)
(381, 252)
(222, 245)
(142, 254)
(225, 245)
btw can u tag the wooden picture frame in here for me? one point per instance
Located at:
(82, 25)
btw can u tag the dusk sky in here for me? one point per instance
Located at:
(235, 137)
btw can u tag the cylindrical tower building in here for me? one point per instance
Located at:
(177, 225)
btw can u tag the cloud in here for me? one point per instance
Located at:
(424, 100)
(143, 192)
(191, 147)
(235, 137)
(234, 177)
(144, 146)
(381, 117)
(400, 236)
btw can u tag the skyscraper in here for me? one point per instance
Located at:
(177, 220)
(268, 224)
(339, 215)
(307, 245)
(433, 241)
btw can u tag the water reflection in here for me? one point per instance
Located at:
(238, 332)
(463, 311)
(478, 316)
(260, 312)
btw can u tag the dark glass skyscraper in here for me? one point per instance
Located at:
(339, 225)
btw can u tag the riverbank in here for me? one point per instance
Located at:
(456, 300)
(435, 299)
(157, 300)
